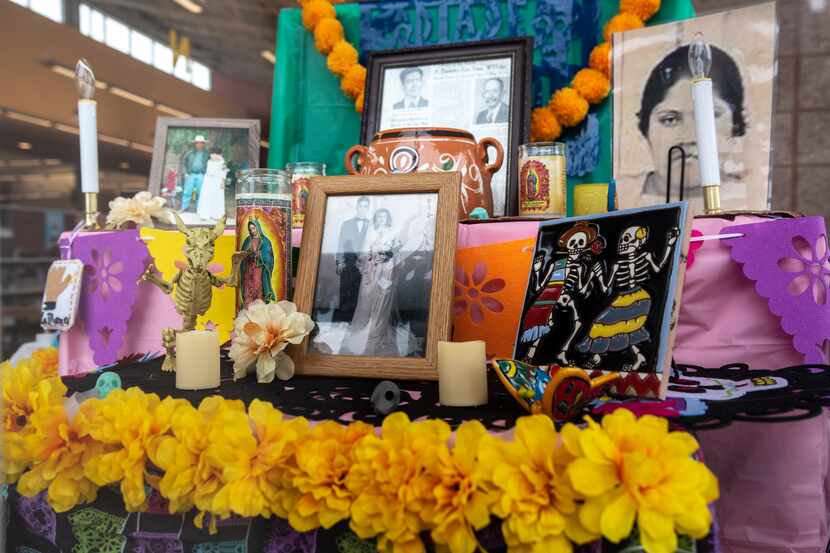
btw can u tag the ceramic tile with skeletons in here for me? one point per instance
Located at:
(602, 291)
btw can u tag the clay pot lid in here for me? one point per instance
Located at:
(424, 132)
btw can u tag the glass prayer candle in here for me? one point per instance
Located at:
(542, 179)
(263, 231)
(301, 173)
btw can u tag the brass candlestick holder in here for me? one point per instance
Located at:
(711, 199)
(91, 214)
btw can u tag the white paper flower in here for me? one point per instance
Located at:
(141, 209)
(261, 334)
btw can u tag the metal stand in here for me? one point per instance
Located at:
(682, 172)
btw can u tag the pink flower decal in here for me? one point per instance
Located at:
(811, 267)
(474, 293)
(105, 274)
(693, 247)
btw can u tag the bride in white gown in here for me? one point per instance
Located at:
(374, 328)
(211, 204)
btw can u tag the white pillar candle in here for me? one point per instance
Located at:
(462, 373)
(707, 136)
(197, 360)
(88, 132)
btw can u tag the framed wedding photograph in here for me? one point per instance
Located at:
(481, 87)
(375, 274)
(196, 163)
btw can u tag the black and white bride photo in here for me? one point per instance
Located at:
(375, 273)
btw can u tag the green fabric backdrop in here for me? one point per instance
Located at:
(312, 120)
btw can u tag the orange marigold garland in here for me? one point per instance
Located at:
(328, 32)
(600, 58)
(568, 106)
(620, 23)
(590, 85)
(644, 9)
(320, 18)
(353, 81)
(315, 11)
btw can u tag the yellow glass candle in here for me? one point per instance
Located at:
(197, 360)
(462, 373)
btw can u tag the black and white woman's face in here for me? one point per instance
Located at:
(382, 219)
(672, 123)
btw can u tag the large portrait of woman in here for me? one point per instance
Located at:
(653, 110)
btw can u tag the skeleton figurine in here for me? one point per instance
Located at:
(621, 326)
(579, 242)
(194, 283)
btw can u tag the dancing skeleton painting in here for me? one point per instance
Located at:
(600, 291)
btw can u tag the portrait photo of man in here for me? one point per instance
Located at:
(194, 165)
(412, 83)
(495, 109)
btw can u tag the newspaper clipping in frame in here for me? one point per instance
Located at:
(474, 96)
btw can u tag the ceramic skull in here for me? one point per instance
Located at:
(106, 383)
(577, 243)
(632, 240)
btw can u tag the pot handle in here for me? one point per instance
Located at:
(483, 144)
(348, 160)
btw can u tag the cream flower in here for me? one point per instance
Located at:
(261, 334)
(141, 209)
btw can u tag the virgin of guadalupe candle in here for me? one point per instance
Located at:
(263, 231)
(542, 179)
(301, 173)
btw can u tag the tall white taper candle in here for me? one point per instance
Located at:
(700, 62)
(87, 126)
(707, 136)
(88, 131)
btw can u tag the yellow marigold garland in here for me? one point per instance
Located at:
(550, 489)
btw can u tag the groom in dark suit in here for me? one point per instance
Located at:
(351, 245)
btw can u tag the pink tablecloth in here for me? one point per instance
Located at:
(774, 477)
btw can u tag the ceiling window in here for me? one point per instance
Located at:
(53, 9)
(115, 34)
(141, 47)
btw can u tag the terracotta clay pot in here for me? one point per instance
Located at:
(431, 149)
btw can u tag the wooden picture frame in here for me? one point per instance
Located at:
(519, 52)
(446, 187)
(247, 150)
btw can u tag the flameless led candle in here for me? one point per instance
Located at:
(197, 360)
(462, 373)
(700, 62)
(87, 126)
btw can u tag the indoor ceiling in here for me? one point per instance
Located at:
(228, 35)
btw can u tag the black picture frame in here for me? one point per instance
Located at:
(520, 52)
